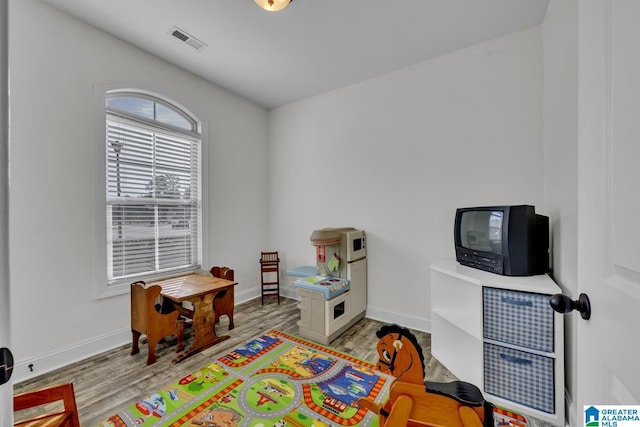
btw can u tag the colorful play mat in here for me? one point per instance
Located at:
(274, 380)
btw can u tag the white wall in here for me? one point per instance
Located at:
(55, 62)
(397, 154)
(560, 83)
(394, 155)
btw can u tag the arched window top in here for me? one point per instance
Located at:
(153, 183)
(151, 108)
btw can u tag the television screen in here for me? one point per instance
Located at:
(482, 231)
(511, 240)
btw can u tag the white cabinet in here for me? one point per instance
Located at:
(500, 333)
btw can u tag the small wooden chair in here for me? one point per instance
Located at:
(224, 302)
(146, 319)
(67, 417)
(269, 264)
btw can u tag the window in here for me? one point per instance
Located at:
(153, 206)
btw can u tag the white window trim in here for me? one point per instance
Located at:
(101, 288)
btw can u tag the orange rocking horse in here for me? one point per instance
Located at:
(413, 402)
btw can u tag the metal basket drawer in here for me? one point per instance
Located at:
(519, 318)
(521, 377)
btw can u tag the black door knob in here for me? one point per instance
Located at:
(564, 304)
(6, 365)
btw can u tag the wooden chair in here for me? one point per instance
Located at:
(146, 319)
(270, 264)
(67, 417)
(224, 302)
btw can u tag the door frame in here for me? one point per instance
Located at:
(604, 376)
(6, 390)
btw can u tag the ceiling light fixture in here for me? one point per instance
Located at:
(273, 5)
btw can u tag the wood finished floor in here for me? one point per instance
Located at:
(115, 379)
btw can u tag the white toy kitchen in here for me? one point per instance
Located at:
(334, 296)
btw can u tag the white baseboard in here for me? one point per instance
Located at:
(29, 368)
(375, 313)
(290, 293)
(249, 294)
(570, 410)
(246, 295)
(35, 366)
(32, 367)
(411, 322)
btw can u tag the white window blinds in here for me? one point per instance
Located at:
(152, 199)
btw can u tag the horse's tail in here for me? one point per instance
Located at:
(488, 414)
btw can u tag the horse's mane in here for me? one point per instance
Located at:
(397, 329)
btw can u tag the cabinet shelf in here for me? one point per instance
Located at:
(461, 321)
(498, 332)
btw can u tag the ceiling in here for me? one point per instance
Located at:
(312, 46)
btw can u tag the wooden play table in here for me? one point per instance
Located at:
(199, 290)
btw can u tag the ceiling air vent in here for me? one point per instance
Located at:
(187, 38)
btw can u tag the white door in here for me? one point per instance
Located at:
(608, 345)
(6, 390)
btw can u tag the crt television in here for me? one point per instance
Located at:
(507, 240)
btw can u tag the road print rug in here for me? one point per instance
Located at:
(274, 380)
